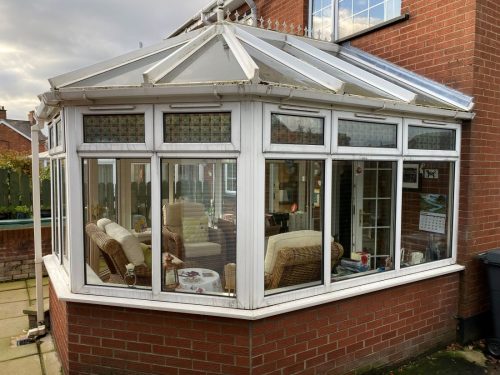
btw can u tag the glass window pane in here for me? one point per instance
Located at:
(52, 137)
(363, 222)
(426, 220)
(64, 224)
(122, 128)
(376, 14)
(210, 127)
(293, 224)
(360, 21)
(291, 129)
(59, 133)
(117, 206)
(367, 134)
(199, 226)
(345, 9)
(55, 207)
(423, 138)
(359, 6)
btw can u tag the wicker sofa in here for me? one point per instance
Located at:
(295, 258)
(115, 258)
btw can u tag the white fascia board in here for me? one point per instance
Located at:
(292, 62)
(82, 97)
(5, 122)
(247, 64)
(350, 69)
(102, 67)
(410, 79)
(169, 63)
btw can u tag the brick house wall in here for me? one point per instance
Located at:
(17, 252)
(12, 140)
(370, 330)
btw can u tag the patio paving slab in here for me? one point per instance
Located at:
(13, 326)
(13, 295)
(23, 366)
(32, 282)
(52, 363)
(12, 285)
(12, 309)
(9, 352)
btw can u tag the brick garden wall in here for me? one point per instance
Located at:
(17, 252)
(374, 329)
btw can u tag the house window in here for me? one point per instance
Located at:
(363, 216)
(230, 178)
(425, 138)
(294, 224)
(209, 127)
(117, 218)
(427, 213)
(199, 226)
(114, 128)
(363, 134)
(352, 16)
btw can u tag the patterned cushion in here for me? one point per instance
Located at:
(195, 229)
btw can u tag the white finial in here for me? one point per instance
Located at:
(292, 28)
(299, 30)
(284, 26)
(236, 16)
(261, 20)
(220, 10)
(269, 23)
(277, 25)
(228, 15)
(306, 31)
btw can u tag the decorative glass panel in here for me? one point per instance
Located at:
(423, 138)
(209, 127)
(292, 129)
(427, 214)
(367, 134)
(123, 128)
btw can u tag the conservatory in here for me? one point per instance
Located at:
(236, 171)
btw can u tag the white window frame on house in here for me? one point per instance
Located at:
(232, 107)
(334, 16)
(147, 110)
(230, 180)
(367, 118)
(59, 235)
(54, 148)
(283, 109)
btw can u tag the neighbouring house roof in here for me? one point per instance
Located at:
(228, 54)
(22, 127)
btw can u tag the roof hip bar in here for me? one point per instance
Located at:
(244, 59)
(292, 62)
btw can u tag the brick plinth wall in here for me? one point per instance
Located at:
(17, 252)
(370, 330)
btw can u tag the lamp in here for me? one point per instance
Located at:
(171, 275)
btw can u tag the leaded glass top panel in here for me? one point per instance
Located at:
(116, 128)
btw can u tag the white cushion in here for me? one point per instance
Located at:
(101, 223)
(201, 249)
(298, 238)
(195, 229)
(129, 243)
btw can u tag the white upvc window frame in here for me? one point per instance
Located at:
(432, 125)
(233, 107)
(283, 109)
(145, 109)
(54, 148)
(367, 118)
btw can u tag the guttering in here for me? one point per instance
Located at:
(81, 97)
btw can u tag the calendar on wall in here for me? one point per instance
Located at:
(433, 213)
(432, 222)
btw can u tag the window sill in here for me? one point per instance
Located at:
(60, 282)
(390, 22)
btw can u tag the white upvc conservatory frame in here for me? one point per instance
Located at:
(253, 119)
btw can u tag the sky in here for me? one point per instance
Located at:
(40, 39)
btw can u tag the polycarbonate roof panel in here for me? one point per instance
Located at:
(273, 71)
(229, 53)
(126, 75)
(214, 62)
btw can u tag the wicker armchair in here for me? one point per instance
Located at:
(298, 265)
(115, 257)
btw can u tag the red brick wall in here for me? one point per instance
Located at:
(289, 11)
(59, 327)
(12, 140)
(375, 329)
(17, 252)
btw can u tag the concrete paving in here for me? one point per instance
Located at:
(38, 358)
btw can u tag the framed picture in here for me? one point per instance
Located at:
(411, 176)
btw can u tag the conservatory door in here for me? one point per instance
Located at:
(372, 204)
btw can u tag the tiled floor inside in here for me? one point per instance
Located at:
(31, 359)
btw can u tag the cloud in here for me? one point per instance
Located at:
(51, 37)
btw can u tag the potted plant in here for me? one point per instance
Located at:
(22, 212)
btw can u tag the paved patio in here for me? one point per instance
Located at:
(32, 359)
